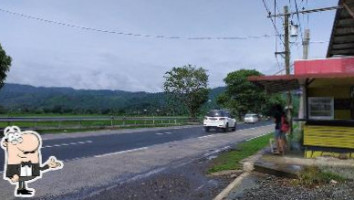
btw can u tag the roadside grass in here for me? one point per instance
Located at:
(230, 160)
(313, 176)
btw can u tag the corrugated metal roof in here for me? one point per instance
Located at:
(342, 37)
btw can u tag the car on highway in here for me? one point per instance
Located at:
(251, 118)
(219, 119)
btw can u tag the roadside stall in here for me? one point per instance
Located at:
(328, 91)
(327, 87)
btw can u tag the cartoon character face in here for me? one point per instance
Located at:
(21, 146)
(23, 159)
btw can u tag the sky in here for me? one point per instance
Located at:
(52, 55)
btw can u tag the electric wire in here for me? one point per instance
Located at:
(274, 25)
(86, 28)
(298, 19)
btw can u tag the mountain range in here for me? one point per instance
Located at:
(17, 98)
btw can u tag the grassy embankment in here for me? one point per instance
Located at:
(310, 177)
(230, 160)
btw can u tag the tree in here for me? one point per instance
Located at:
(189, 86)
(242, 96)
(5, 63)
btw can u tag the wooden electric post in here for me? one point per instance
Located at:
(287, 63)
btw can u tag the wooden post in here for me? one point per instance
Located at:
(287, 63)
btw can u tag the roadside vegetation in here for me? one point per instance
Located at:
(242, 97)
(313, 176)
(187, 86)
(231, 160)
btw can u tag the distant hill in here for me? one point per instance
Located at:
(26, 98)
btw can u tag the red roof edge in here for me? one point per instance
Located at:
(300, 76)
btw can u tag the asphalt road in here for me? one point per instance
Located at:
(81, 147)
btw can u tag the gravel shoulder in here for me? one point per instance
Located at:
(187, 182)
(270, 187)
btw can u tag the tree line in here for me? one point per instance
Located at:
(188, 85)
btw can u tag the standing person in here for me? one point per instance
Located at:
(284, 129)
(277, 116)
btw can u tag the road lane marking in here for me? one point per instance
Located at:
(206, 136)
(168, 133)
(200, 187)
(159, 133)
(216, 151)
(145, 175)
(257, 137)
(257, 127)
(67, 144)
(121, 152)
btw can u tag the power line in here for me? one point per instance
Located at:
(274, 25)
(298, 19)
(308, 11)
(132, 34)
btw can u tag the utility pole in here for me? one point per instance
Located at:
(286, 40)
(287, 62)
(305, 55)
(305, 44)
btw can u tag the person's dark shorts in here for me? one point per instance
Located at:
(278, 134)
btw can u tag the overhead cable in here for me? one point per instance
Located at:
(132, 34)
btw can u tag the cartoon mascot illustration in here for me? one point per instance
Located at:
(23, 159)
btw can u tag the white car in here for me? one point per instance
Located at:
(251, 118)
(219, 119)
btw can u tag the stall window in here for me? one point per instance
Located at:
(321, 108)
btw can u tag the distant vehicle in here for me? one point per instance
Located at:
(219, 119)
(251, 118)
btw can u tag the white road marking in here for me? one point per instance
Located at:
(121, 152)
(168, 133)
(256, 137)
(217, 151)
(200, 187)
(159, 133)
(206, 136)
(66, 144)
(257, 127)
(145, 175)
